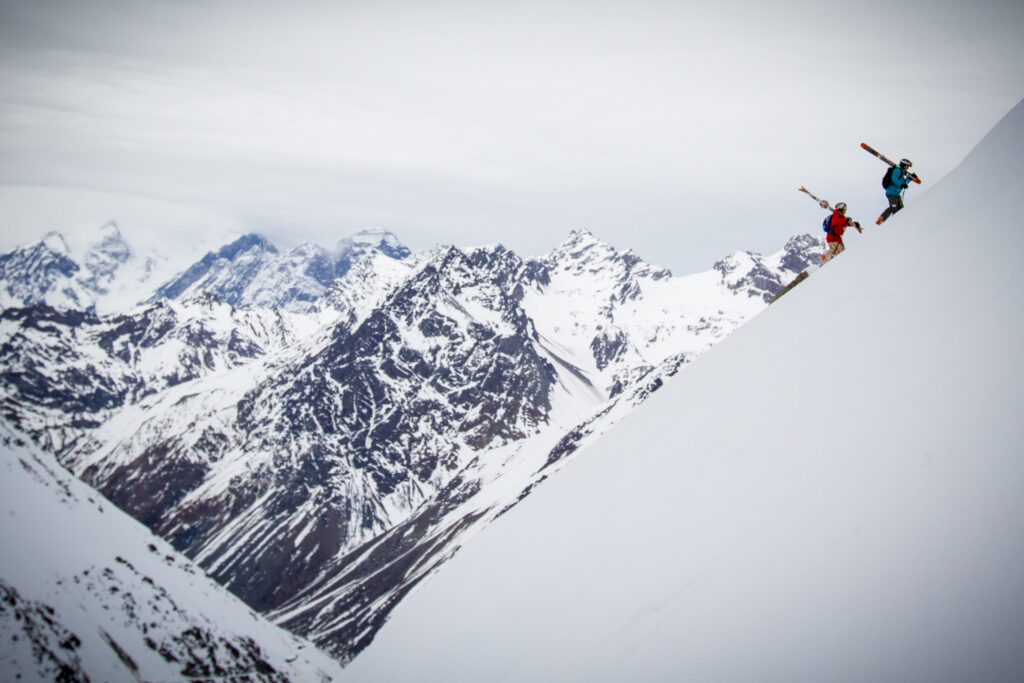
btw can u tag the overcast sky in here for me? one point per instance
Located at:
(680, 129)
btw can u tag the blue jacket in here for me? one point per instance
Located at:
(900, 181)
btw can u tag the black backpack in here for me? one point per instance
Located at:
(887, 178)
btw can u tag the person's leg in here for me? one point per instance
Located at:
(834, 248)
(895, 204)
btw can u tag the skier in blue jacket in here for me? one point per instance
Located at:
(899, 178)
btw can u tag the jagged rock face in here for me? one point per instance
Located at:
(426, 354)
(225, 273)
(800, 253)
(30, 274)
(281, 462)
(763, 277)
(64, 373)
(355, 436)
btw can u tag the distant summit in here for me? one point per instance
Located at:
(252, 272)
(102, 276)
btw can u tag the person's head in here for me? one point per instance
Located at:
(905, 164)
(841, 208)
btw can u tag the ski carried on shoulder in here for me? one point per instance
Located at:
(821, 202)
(871, 150)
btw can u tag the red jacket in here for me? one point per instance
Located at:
(838, 226)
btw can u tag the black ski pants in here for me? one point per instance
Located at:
(895, 204)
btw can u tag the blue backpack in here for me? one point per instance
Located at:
(827, 225)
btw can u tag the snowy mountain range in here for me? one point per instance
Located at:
(832, 493)
(319, 430)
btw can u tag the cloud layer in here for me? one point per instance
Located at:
(682, 131)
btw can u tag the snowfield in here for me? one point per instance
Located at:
(87, 593)
(832, 493)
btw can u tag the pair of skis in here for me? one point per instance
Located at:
(892, 164)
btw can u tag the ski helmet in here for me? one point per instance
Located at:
(841, 207)
(905, 163)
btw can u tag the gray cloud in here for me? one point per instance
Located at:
(679, 130)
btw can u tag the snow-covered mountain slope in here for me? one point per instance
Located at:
(614, 316)
(832, 493)
(105, 275)
(65, 373)
(416, 403)
(449, 384)
(87, 593)
(251, 272)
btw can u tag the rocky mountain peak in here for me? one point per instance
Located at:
(582, 251)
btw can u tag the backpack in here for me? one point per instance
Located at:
(827, 225)
(887, 178)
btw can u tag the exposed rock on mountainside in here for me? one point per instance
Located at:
(335, 453)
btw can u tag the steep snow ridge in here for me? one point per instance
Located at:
(832, 493)
(88, 593)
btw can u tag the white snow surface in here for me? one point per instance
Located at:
(832, 493)
(109, 601)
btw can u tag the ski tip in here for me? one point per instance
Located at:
(917, 180)
(864, 145)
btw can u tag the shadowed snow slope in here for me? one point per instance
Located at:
(87, 593)
(832, 493)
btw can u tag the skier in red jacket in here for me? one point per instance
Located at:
(836, 227)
